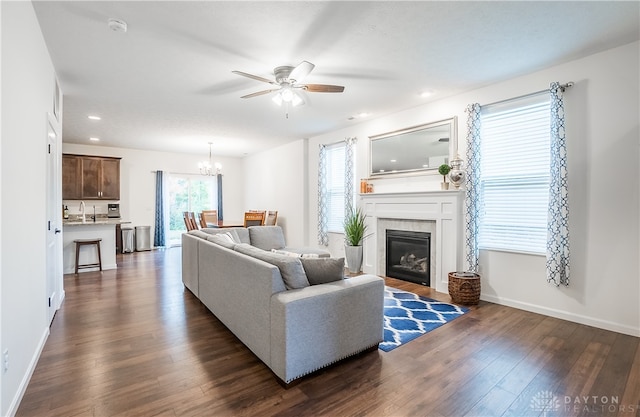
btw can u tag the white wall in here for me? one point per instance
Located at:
(603, 137)
(137, 181)
(27, 96)
(276, 180)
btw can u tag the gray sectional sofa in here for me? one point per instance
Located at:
(289, 306)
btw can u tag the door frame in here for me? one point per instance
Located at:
(54, 276)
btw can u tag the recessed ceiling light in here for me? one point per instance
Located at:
(94, 139)
(427, 93)
(393, 160)
(359, 116)
(92, 117)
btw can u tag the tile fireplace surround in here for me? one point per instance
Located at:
(437, 212)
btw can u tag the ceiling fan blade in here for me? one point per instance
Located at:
(259, 93)
(254, 77)
(323, 88)
(301, 71)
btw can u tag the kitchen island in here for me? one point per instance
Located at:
(102, 228)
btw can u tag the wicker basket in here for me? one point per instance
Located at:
(464, 288)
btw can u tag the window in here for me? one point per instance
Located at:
(514, 179)
(335, 183)
(336, 167)
(188, 193)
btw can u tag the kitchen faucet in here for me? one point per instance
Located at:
(82, 210)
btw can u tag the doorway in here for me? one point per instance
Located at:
(54, 222)
(188, 193)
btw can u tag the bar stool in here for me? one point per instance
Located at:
(85, 242)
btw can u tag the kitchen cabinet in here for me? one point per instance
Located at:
(97, 178)
(71, 175)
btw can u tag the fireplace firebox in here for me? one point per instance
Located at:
(408, 256)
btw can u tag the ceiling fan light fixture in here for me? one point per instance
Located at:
(296, 100)
(286, 94)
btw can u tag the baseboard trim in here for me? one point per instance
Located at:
(22, 388)
(559, 314)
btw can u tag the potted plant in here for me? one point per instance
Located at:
(354, 229)
(444, 170)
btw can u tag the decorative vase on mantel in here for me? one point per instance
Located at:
(456, 175)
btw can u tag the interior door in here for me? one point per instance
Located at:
(54, 221)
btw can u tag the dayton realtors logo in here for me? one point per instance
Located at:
(547, 402)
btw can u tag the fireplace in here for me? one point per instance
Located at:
(408, 256)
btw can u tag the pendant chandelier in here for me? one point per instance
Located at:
(208, 167)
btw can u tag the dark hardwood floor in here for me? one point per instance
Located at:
(134, 342)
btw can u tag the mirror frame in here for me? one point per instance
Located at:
(398, 135)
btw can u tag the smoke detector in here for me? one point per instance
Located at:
(117, 25)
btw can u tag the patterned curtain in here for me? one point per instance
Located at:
(219, 187)
(558, 214)
(159, 234)
(472, 197)
(323, 209)
(349, 174)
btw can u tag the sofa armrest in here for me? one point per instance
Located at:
(316, 326)
(190, 276)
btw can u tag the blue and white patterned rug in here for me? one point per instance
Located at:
(408, 315)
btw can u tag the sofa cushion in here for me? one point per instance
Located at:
(295, 254)
(290, 268)
(266, 237)
(323, 270)
(223, 239)
(199, 233)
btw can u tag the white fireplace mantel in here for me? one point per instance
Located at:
(444, 208)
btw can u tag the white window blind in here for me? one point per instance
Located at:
(335, 186)
(514, 180)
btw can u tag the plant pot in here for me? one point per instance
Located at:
(444, 185)
(354, 258)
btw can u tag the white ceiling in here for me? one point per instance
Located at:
(166, 84)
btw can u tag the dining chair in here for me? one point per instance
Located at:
(190, 220)
(209, 218)
(272, 218)
(253, 218)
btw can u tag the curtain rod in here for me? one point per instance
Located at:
(562, 87)
(175, 173)
(337, 142)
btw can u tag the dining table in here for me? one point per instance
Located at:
(227, 223)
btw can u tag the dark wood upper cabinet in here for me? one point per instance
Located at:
(110, 179)
(90, 177)
(71, 174)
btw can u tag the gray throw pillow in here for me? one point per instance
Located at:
(290, 268)
(266, 237)
(222, 240)
(323, 270)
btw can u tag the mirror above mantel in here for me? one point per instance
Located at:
(414, 150)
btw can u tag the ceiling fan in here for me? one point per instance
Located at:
(287, 80)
